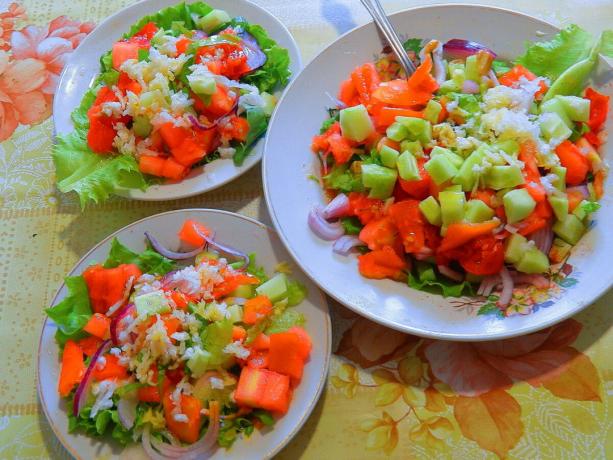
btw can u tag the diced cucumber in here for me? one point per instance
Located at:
(560, 182)
(213, 20)
(388, 156)
(407, 167)
(559, 251)
(270, 102)
(149, 98)
(499, 177)
(553, 127)
(431, 210)
(151, 303)
(533, 261)
(440, 169)
(432, 111)
(452, 206)
(275, 288)
(471, 72)
(356, 124)
(477, 211)
(466, 176)
(509, 146)
(455, 65)
(556, 106)
(455, 159)
(235, 313)
(579, 211)
(453, 188)
(418, 129)
(141, 125)
(202, 85)
(518, 204)
(571, 229)
(379, 179)
(452, 86)
(559, 204)
(577, 108)
(246, 291)
(514, 248)
(199, 362)
(396, 132)
(414, 147)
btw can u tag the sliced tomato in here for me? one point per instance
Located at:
(364, 208)
(420, 188)
(410, 224)
(482, 256)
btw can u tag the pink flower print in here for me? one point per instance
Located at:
(8, 20)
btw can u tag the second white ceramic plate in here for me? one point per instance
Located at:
(233, 230)
(291, 193)
(83, 66)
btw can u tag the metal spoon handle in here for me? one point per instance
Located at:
(378, 14)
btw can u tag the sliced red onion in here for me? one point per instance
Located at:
(337, 103)
(338, 207)
(449, 273)
(199, 35)
(172, 254)
(511, 228)
(470, 87)
(543, 239)
(256, 58)
(507, 288)
(226, 250)
(324, 164)
(580, 188)
(461, 49)
(538, 281)
(488, 284)
(126, 410)
(435, 49)
(345, 244)
(80, 397)
(116, 322)
(148, 448)
(323, 229)
(124, 298)
(492, 76)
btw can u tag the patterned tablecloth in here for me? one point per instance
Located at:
(546, 395)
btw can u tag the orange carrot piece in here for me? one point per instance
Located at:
(72, 369)
(188, 233)
(111, 369)
(99, 325)
(238, 333)
(189, 431)
(256, 308)
(576, 164)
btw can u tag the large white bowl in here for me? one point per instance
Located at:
(234, 230)
(290, 193)
(84, 65)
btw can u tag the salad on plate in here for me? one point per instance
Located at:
(471, 176)
(182, 351)
(182, 88)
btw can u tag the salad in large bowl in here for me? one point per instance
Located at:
(182, 88)
(474, 175)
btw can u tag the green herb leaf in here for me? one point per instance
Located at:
(352, 225)
(256, 270)
(500, 66)
(264, 416)
(72, 313)
(341, 178)
(413, 44)
(329, 122)
(148, 261)
(180, 13)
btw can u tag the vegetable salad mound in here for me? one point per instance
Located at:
(183, 357)
(184, 87)
(472, 175)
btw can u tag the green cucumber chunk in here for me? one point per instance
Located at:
(452, 206)
(414, 147)
(466, 176)
(418, 129)
(559, 204)
(151, 303)
(501, 177)
(275, 288)
(142, 126)
(396, 132)
(455, 159)
(532, 261)
(570, 229)
(203, 85)
(518, 204)
(432, 111)
(577, 108)
(560, 182)
(379, 179)
(388, 156)
(477, 211)
(514, 248)
(556, 106)
(509, 146)
(246, 291)
(471, 71)
(356, 124)
(431, 210)
(211, 21)
(440, 169)
(553, 127)
(407, 167)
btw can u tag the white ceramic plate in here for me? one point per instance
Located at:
(234, 230)
(84, 64)
(290, 194)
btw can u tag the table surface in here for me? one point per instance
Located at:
(549, 396)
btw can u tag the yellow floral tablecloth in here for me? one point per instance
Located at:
(542, 396)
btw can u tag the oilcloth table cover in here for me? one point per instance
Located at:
(547, 395)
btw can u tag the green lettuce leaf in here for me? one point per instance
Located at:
(79, 115)
(329, 122)
(296, 292)
(551, 58)
(606, 43)
(149, 261)
(105, 421)
(214, 339)
(258, 122)
(165, 18)
(72, 313)
(341, 178)
(283, 321)
(256, 270)
(441, 285)
(275, 72)
(500, 66)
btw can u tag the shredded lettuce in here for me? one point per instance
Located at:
(427, 279)
(275, 71)
(296, 292)
(72, 313)
(341, 178)
(167, 17)
(258, 122)
(148, 261)
(256, 270)
(214, 339)
(105, 421)
(551, 58)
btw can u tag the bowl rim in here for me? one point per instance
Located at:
(328, 334)
(126, 193)
(460, 337)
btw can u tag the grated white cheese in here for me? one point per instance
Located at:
(180, 336)
(124, 140)
(226, 152)
(216, 383)
(180, 102)
(180, 418)
(103, 392)
(237, 349)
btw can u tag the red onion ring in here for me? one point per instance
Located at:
(580, 188)
(172, 254)
(470, 87)
(507, 288)
(126, 410)
(227, 250)
(322, 228)
(449, 273)
(543, 239)
(338, 207)
(460, 49)
(126, 294)
(345, 244)
(488, 284)
(115, 322)
(256, 58)
(148, 448)
(80, 397)
(538, 281)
